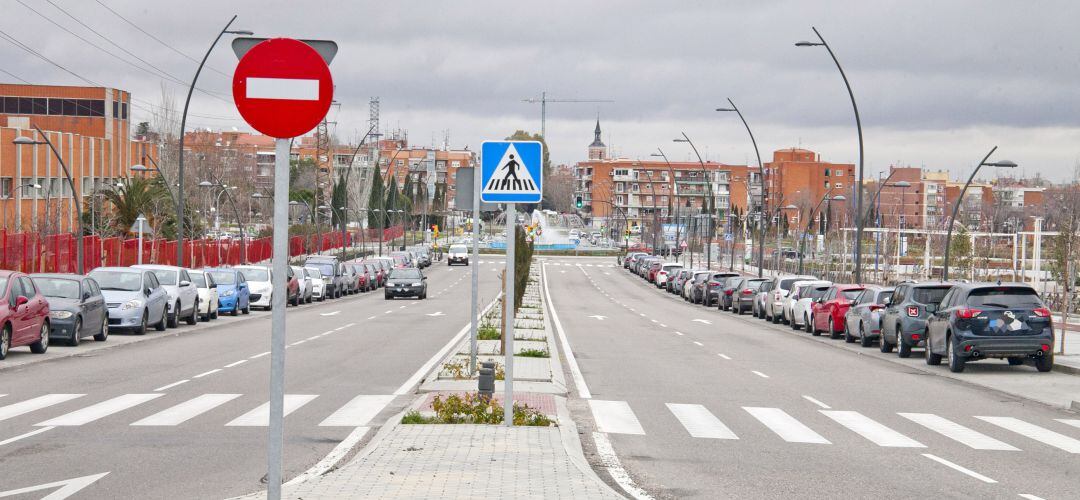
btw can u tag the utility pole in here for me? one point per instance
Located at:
(543, 100)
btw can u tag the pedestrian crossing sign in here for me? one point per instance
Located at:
(512, 171)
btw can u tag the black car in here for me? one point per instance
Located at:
(406, 282)
(903, 323)
(990, 320)
(727, 291)
(76, 307)
(742, 299)
(712, 288)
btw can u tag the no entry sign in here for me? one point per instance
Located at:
(282, 87)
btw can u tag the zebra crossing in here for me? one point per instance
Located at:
(357, 412)
(698, 421)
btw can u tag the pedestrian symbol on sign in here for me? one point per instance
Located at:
(511, 172)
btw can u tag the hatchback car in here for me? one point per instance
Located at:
(863, 319)
(303, 279)
(208, 294)
(406, 282)
(667, 271)
(259, 285)
(987, 320)
(827, 313)
(183, 294)
(761, 297)
(742, 299)
(134, 297)
(903, 325)
(458, 254)
(727, 291)
(806, 295)
(787, 311)
(695, 286)
(333, 281)
(234, 296)
(76, 307)
(318, 286)
(24, 314)
(774, 303)
(711, 290)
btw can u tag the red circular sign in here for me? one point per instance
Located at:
(282, 87)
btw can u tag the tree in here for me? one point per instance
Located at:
(376, 202)
(960, 250)
(135, 196)
(337, 203)
(1064, 209)
(393, 199)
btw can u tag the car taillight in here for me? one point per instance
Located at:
(729, 292)
(913, 311)
(714, 285)
(968, 313)
(1042, 312)
(747, 292)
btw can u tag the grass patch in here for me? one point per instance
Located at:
(472, 408)
(488, 332)
(534, 353)
(414, 417)
(457, 369)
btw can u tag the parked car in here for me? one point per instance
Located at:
(807, 295)
(259, 285)
(76, 307)
(903, 325)
(827, 313)
(423, 258)
(727, 290)
(742, 299)
(680, 280)
(183, 294)
(234, 294)
(402, 259)
(711, 291)
(134, 297)
(863, 319)
(330, 268)
(352, 279)
(377, 273)
(760, 298)
(292, 287)
(977, 321)
(695, 286)
(304, 279)
(792, 297)
(631, 258)
(318, 286)
(24, 314)
(363, 277)
(208, 294)
(406, 282)
(666, 271)
(774, 304)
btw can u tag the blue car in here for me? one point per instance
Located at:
(234, 296)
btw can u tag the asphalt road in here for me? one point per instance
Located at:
(176, 416)
(702, 403)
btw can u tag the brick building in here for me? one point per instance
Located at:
(798, 177)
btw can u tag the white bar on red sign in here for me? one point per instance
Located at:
(282, 88)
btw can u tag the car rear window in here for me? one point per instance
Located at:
(851, 294)
(817, 292)
(785, 284)
(930, 295)
(753, 285)
(458, 249)
(883, 296)
(1005, 296)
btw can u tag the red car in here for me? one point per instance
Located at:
(24, 314)
(827, 313)
(292, 288)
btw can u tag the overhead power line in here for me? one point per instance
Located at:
(13, 75)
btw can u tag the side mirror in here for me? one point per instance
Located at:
(242, 286)
(146, 292)
(20, 300)
(185, 283)
(887, 301)
(214, 286)
(424, 278)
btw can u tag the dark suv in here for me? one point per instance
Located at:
(986, 320)
(903, 325)
(727, 291)
(713, 286)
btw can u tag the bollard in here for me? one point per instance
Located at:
(486, 380)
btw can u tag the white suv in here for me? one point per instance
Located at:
(183, 294)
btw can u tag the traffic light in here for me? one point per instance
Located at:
(435, 230)
(578, 202)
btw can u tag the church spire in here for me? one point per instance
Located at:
(597, 150)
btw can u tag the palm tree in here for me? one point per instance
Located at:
(132, 197)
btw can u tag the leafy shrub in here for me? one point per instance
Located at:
(534, 353)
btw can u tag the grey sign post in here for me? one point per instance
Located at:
(280, 265)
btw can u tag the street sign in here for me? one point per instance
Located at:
(682, 244)
(512, 171)
(282, 87)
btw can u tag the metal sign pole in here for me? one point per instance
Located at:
(277, 319)
(508, 316)
(475, 264)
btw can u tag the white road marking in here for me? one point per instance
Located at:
(707, 322)
(313, 337)
(598, 317)
(819, 403)
(235, 363)
(615, 417)
(1030, 496)
(211, 372)
(785, 425)
(610, 460)
(23, 407)
(700, 422)
(663, 325)
(679, 333)
(333, 313)
(64, 489)
(872, 430)
(575, 370)
(953, 466)
(762, 375)
(187, 410)
(1045, 436)
(261, 354)
(388, 311)
(357, 412)
(653, 320)
(260, 416)
(371, 317)
(435, 314)
(99, 410)
(957, 432)
(401, 307)
(24, 436)
(331, 459)
(725, 356)
(1072, 422)
(298, 342)
(349, 325)
(698, 343)
(170, 386)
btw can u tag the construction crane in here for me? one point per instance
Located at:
(544, 99)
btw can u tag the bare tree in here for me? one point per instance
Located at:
(1063, 214)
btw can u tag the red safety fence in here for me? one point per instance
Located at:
(32, 253)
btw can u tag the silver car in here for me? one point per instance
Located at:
(134, 297)
(183, 294)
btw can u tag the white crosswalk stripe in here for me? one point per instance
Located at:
(187, 410)
(1068, 421)
(615, 417)
(1040, 434)
(358, 412)
(785, 425)
(99, 410)
(871, 429)
(24, 407)
(700, 422)
(260, 416)
(957, 432)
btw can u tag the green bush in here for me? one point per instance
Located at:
(534, 353)
(488, 332)
(471, 408)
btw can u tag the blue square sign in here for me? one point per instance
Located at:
(512, 171)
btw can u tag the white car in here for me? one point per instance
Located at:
(304, 279)
(774, 302)
(318, 287)
(259, 284)
(457, 254)
(208, 294)
(790, 300)
(183, 294)
(666, 271)
(807, 292)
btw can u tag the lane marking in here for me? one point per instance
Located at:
(953, 466)
(349, 325)
(700, 422)
(1068, 421)
(298, 342)
(785, 425)
(679, 333)
(261, 354)
(610, 460)
(334, 313)
(99, 410)
(762, 375)
(615, 417)
(698, 343)
(357, 412)
(872, 430)
(260, 416)
(187, 410)
(24, 436)
(371, 317)
(170, 386)
(23, 407)
(819, 403)
(388, 311)
(1045, 436)
(331, 459)
(1030, 496)
(313, 337)
(64, 489)
(957, 432)
(707, 322)
(663, 325)
(236, 363)
(211, 372)
(567, 352)
(725, 356)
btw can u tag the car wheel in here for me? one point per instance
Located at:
(847, 334)
(247, 308)
(884, 345)
(1015, 360)
(296, 300)
(864, 340)
(808, 323)
(833, 334)
(931, 358)
(902, 349)
(794, 326)
(214, 315)
(103, 334)
(194, 318)
(160, 326)
(1045, 362)
(235, 310)
(813, 327)
(738, 310)
(174, 318)
(5, 341)
(775, 319)
(956, 363)
(42, 344)
(386, 296)
(75, 333)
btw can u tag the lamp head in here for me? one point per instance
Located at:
(206, 184)
(25, 141)
(139, 168)
(805, 43)
(725, 109)
(839, 197)
(902, 184)
(1002, 164)
(240, 32)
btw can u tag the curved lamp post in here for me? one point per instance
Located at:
(858, 126)
(960, 200)
(26, 141)
(761, 173)
(876, 203)
(236, 212)
(674, 195)
(708, 202)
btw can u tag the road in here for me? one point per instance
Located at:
(699, 403)
(179, 416)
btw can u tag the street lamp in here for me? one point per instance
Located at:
(876, 203)
(674, 196)
(707, 203)
(858, 126)
(761, 173)
(810, 220)
(960, 199)
(180, 149)
(26, 141)
(17, 189)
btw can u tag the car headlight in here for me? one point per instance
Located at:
(417, 284)
(60, 314)
(131, 304)
(228, 293)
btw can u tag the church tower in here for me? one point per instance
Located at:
(597, 150)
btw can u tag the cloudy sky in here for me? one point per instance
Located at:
(938, 83)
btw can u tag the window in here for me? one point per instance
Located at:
(620, 187)
(634, 187)
(826, 172)
(826, 184)
(5, 187)
(619, 200)
(839, 185)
